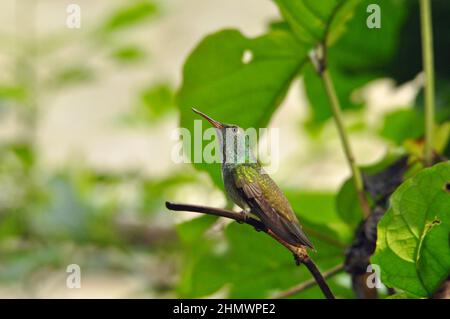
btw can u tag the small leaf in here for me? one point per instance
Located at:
(380, 180)
(128, 54)
(12, 93)
(397, 125)
(347, 203)
(413, 236)
(130, 15)
(358, 56)
(158, 98)
(72, 75)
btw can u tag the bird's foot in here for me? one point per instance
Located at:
(297, 259)
(300, 255)
(244, 217)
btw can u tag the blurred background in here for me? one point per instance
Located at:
(86, 119)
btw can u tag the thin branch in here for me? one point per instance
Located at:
(428, 65)
(300, 254)
(308, 284)
(312, 267)
(318, 58)
(239, 217)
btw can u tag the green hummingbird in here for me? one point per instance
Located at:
(251, 188)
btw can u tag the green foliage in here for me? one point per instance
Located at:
(157, 100)
(413, 244)
(359, 56)
(317, 21)
(129, 54)
(154, 102)
(238, 262)
(49, 217)
(239, 80)
(397, 125)
(72, 75)
(347, 203)
(401, 295)
(11, 93)
(218, 81)
(362, 54)
(129, 15)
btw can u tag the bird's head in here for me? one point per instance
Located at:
(233, 140)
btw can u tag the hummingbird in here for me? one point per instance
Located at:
(251, 188)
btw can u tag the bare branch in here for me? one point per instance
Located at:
(300, 253)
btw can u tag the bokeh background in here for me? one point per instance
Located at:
(86, 118)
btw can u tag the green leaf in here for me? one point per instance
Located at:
(12, 93)
(347, 203)
(317, 21)
(319, 208)
(397, 125)
(413, 236)
(218, 80)
(407, 62)
(345, 84)
(128, 54)
(130, 15)
(157, 99)
(72, 75)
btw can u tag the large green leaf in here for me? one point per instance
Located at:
(238, 80)
(413, 237)
(317, 21)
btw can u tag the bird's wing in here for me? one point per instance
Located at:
(268, 202)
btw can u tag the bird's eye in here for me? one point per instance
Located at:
(235, 129)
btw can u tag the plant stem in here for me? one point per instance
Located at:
(427, 60)
(300, 254)
(336, 109)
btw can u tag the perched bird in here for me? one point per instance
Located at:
(251, 188)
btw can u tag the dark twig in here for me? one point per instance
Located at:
(300, 254)
(308, 284)
(239, 217)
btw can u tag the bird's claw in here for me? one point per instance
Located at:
(244, 215)
(297, 259)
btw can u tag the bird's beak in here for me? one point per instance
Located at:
(210, 120)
